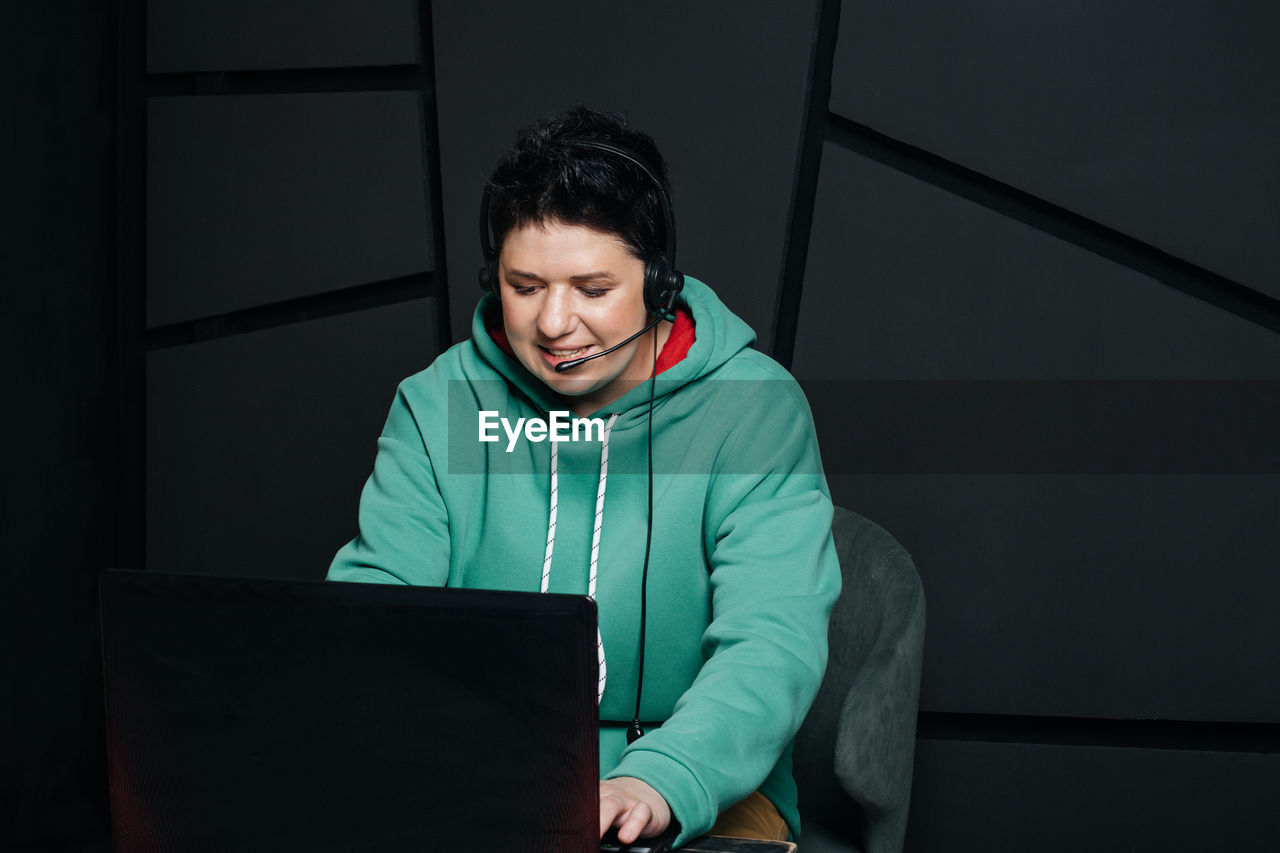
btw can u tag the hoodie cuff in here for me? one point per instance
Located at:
(690, 804)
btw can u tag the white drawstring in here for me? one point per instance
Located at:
(595, 536)
(551, 521)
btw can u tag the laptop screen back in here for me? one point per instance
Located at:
(272, 715)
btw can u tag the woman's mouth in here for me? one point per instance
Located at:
(555, 355)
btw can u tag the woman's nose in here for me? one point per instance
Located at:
(555, 315)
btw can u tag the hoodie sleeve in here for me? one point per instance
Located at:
(774, 578)
(403, 524)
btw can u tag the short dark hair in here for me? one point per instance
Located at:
(546, 177)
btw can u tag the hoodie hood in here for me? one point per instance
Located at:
(720, 336)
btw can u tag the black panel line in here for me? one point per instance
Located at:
(298, 310)
(288, 81)
(1059, 222)
(805, 188)
(1088, 732)
(431, 160)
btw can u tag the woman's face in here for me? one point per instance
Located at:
(569, 291)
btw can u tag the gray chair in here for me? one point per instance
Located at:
(853, 756)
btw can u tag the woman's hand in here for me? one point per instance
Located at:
(634, 807)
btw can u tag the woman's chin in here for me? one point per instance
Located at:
(571, 386)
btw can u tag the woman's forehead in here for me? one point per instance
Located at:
(556, 249)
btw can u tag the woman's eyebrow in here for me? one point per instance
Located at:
(598, 275)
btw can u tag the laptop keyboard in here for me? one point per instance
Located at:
(660, 844)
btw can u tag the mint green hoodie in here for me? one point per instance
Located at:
(742, 573)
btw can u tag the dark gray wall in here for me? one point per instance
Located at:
(1040, 260)
(58, 421)
(720, 86)
(1064, 797)
(221, 35)
(1155, 119)
(260, 442)
(256, 199)
(290, 270)
(992, 199)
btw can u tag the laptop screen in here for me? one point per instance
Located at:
(267, 715)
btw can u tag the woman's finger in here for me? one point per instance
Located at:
(633, 822)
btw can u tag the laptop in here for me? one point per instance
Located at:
(249, 714)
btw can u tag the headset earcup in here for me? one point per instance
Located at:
(659, 283)
(674, 285)
(654, 273)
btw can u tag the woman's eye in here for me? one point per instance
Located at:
(594, 292)
(525, 289)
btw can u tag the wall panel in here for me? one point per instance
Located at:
(258, 444)
(1014, 797)
(1158, 120)
(225, 35)
(258, 199)
(905, 281)
(1093, 596)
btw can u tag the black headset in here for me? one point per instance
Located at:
(662, 282)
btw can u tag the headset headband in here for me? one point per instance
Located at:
(664, 201)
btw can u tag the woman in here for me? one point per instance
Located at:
(725, 586)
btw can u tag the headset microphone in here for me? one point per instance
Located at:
(577, 362)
